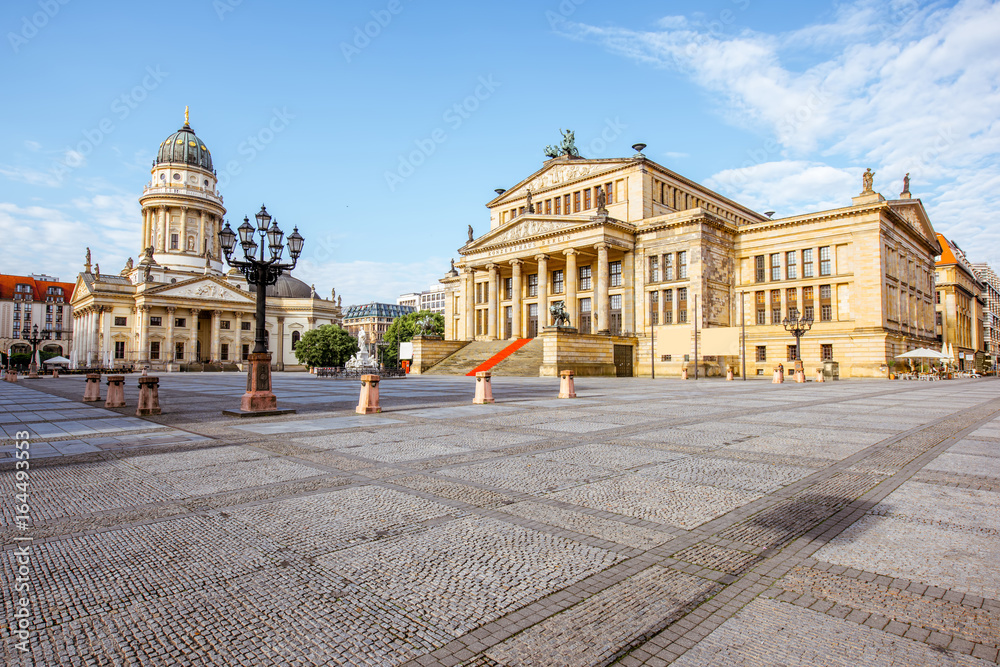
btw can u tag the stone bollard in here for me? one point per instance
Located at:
(819, 375)
(800, 376)
(55, 372)
(567, 389)
(92, 392)
(684, 373)
(368, 401)
(116, 392)
(484, 388)
(149, 396)
(729, 373)
(779, 374)
(11, 376)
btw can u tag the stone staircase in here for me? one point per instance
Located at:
(523, 363)
(467, 358)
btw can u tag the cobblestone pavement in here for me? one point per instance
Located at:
(644, 523)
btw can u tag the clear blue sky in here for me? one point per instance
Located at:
(779, 104)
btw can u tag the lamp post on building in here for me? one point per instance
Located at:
(797, 326)
(33, 337)
(260, 272)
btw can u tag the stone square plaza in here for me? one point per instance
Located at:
(645, 522)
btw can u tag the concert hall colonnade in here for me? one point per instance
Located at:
(635, 250)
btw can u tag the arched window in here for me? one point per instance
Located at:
(295, 338)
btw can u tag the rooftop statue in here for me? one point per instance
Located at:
(868, 179)
(566, 147)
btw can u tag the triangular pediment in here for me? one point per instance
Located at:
(204, 288)
(913, 212)
(525, 227)
(557, 172)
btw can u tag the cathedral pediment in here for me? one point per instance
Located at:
(206, 288)
(557, 172)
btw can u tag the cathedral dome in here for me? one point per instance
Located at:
(287, 287)
(185, 148)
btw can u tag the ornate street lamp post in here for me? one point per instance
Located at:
(33, 337)
(260, 272)
(797, 327)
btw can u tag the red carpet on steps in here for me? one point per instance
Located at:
(501, 355)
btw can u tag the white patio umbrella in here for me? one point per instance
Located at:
(922, 353)
(56, 360)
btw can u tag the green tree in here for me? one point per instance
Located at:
(403, 329)
(328, 345)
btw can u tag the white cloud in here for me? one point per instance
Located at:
(32, 146)
(30, 176)
(899, 86)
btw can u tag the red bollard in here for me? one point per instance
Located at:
(368, 401)
(820, 377)
(116, 392)
(567, 388)
(149, 396)
(779, 374)
(484, 388)
(92, 392)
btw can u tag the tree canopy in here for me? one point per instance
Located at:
(403, 329)
(325, 346)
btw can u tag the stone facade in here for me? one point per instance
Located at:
(991, 313)
(633, 248)
(27, 301)
(176, 307)
(959, 306)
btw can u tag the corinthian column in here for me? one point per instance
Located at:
(491, 325)
(543, 289)
(571, 280)
(516, 288)
(602, 288)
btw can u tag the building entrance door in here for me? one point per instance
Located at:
(584, 324)
(623, 361)
(508, 316)
(532, 320)
(615, 315)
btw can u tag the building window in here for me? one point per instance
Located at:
(654, 269)
(548, 207)
(244, 326)
(119, 349)
(761, 353)
(825, 313)
(155, 321)
(775, 267)
(557, 282)
(121, 321)
(508, 288)
(791, 298)
(609, 192)
(224, 352)
(825, 292)
(616, 273)
(682, 313)
(179, 351)
(296, 337)
(939, 319)
(584, 278)
(576, 202)
(665, 357)
(826, 352)
(792, 353)
(937, 297)
(566, 204)
(807, 263)
(761, 307)
(223, 324)
(682, 265)
(668, 267)
(586, 199)
(180, 322)
(808, 313)
(245, 352)
(791, 266)
(533, 284)
(154, 350)
(558, 203)
(825, 267)
(654, 307)
(761, 273)
(173, 241)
